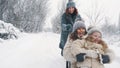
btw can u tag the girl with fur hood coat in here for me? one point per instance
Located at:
(79, 32)
(92, 52)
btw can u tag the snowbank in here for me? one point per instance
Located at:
(8, 31)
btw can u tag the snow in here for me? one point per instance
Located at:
(32, 51)
(39, 50)
(7, 27)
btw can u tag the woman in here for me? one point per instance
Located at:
(68, 19)
(79, 32)
(92, 52)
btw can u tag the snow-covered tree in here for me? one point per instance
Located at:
(28, 15)
(56, 21)
(8, 31)
(94, 14)
(107, 28)
(7, 10)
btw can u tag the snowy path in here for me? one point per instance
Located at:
(37, 51)
(33, 51)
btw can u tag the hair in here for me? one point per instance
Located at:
(75, 11)
(101, 42)
(74, 35)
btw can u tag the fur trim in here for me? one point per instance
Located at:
(103, 44)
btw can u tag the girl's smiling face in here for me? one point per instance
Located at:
(71, 10)
(80, 32)
(96, 37)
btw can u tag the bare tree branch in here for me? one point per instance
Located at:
(96, 15)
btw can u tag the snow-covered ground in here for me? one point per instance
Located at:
(39, 51)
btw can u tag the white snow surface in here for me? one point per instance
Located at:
(39, 50)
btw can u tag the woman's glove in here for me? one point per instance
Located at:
(69, 27)
(104, 59)
(91, 53)
(80, 57)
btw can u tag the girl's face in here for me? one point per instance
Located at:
(96, 37)
(71, 10)
(81, 32)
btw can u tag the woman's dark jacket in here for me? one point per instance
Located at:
(67, 22)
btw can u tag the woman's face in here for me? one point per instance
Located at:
(81, 32)
(96, 37)
(71, 10)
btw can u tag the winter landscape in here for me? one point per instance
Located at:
(30, 30)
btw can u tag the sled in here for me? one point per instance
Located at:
(68, 64)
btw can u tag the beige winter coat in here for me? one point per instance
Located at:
(80, 46)
(67, 54)
(67, 50)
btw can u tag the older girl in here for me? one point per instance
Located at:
(79, 32)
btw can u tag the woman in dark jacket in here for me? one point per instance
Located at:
(68, 19)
